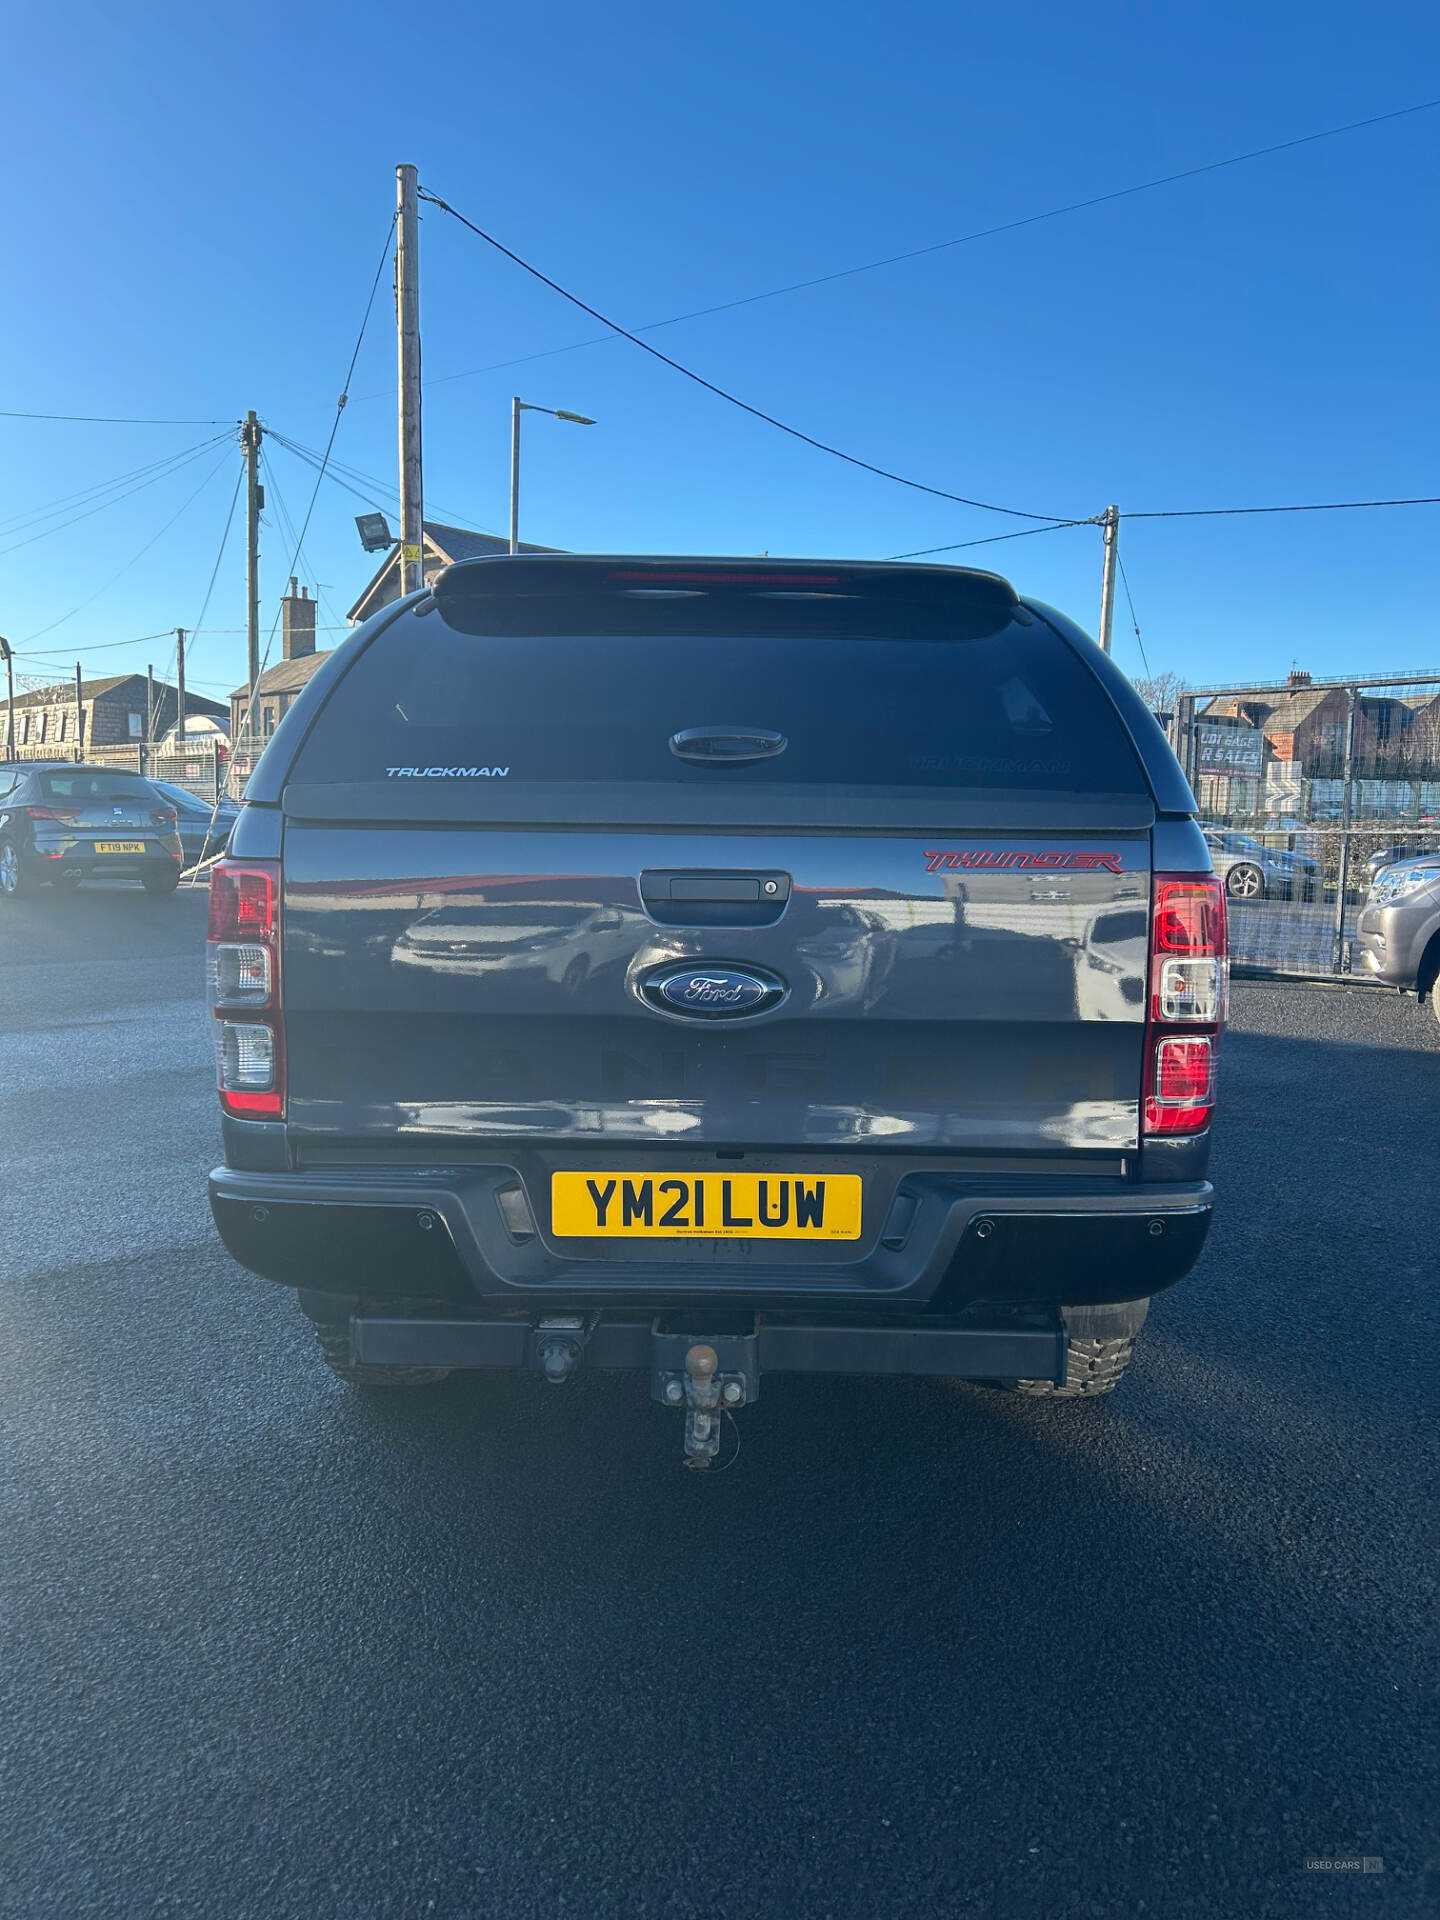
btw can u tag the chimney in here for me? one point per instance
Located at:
(1297, 676)
(297, 623)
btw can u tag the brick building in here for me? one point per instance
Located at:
(1307, 724)
(112, 714)
(279, 686)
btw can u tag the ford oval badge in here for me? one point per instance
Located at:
(712, 993)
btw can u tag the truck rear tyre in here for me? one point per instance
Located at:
(332, 1330)
(1102, 1339)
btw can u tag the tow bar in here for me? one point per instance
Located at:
(708, 1378)
(700, 1365)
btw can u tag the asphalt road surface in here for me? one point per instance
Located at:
(274, 1649)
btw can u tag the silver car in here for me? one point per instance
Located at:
(1255, 872)
(1397, 937)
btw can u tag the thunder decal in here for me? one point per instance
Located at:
(1014, 860)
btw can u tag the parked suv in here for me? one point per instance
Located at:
(62, 823)
(723, 968)
(1397, 937)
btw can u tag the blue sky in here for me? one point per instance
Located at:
(205, 193)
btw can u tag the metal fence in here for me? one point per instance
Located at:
(1306, 791)
(199, 766)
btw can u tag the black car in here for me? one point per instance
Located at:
(203, 825)
(722, 968)
(63, 823)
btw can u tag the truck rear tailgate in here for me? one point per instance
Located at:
(945, 992)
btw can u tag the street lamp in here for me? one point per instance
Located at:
(517, 407)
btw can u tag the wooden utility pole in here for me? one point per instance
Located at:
(407, 320)
(250, 436)
(1110, 521)
(9, 660)
(79, 716)
(149, 717)
(180, 686)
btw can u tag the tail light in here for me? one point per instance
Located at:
(53, 813)
(164, 816)
(243, 952)
(1189, 980)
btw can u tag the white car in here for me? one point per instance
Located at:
(536, 936)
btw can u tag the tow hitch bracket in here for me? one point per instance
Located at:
(708, 1377)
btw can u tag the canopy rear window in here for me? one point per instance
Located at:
(1014, 711)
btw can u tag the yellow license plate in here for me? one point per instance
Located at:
(119, 846)
(706, 1206)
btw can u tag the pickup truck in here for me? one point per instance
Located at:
(719, 969)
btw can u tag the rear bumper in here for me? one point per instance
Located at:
(92, 865)
(945, 1243)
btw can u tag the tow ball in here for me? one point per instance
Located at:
(709, 1385)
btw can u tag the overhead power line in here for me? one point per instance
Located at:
(312, 460)
(1178, 513)
(961, 240)
(103, 646)
(132, 561)
(319, 477)
(32, 516)
(1130, 602)
(340, 405)
(162, 469)
(1315, 506)
(381, 493)
(991, 539)
(757, 413)
(113, 420)
(219, 556)
(342, 402)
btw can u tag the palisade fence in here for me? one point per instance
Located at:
(1306, 790)
(199, 766)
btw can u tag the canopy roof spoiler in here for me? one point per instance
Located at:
(603, 593)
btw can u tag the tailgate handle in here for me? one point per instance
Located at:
(728, 897)
(727, 746)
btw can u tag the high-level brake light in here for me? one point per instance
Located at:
(657, 576)
(244, 958)
(1188, 983)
